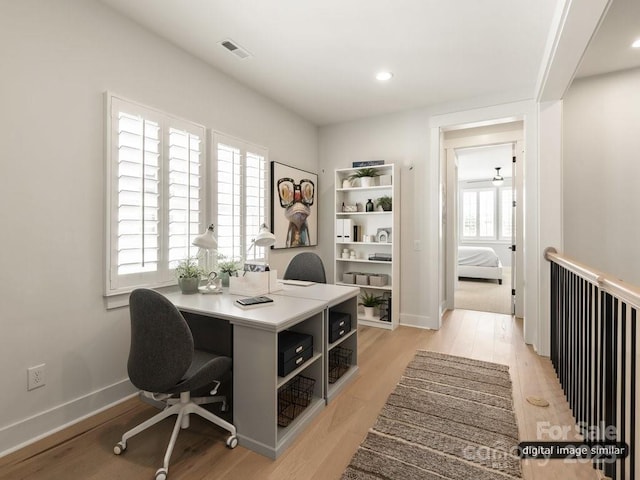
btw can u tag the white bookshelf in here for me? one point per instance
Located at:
(370, 223)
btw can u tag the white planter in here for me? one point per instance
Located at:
(368, 311)
(346, 183)
(366, 181)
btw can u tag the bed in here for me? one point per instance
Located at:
(479, 262)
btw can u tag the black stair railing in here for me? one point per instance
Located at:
(594, 347)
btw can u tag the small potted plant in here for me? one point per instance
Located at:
(228, 268)
(370, 302)
(189, 273)
(385, 202)
(366, 176)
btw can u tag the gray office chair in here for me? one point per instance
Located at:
(306, 266)
(165, 366)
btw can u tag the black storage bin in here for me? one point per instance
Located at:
(339, 363)
(293, 398)
(339, 325)
(293, 350)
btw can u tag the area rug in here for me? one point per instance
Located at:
(448, 418)
(485, 295)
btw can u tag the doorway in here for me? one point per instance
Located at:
(483, 265)
(486, 230)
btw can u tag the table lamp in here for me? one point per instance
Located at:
(264, 238)
(208, 243)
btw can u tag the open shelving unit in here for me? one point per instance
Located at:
(349, 342)
(368, 241)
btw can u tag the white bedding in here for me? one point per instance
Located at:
(478, 256)
(479, 262)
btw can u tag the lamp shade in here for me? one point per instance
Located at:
(207, 240)
(497, 179)
(264, 238)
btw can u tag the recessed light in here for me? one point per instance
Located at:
(384, 76)
(636, 44)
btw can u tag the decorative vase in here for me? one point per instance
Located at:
(366, 181)
(225, 278)
(369, 206)
(346, 183)
(189, 284)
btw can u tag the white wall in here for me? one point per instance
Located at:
(601, 173)
(58, 59)
(402, 139)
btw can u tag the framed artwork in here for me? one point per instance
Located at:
(294, 210)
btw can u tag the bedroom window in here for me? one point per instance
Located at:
(486, 214)
(239, 196)
(478, 213)
(155, 172)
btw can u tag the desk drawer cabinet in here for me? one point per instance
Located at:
(293, 350)
(339, 325)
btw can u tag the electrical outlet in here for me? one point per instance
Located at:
(35, 377)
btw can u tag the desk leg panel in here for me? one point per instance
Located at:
(255, 358)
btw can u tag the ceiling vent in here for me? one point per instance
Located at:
(236, 49)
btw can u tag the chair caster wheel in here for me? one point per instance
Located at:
(119, 448)
(161, 474)
(232, 441)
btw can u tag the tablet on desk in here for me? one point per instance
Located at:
(300, 283)
(253, 301)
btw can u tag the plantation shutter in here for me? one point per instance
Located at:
(240, 194)
(185, 209)
(155, 176)
(255, 182)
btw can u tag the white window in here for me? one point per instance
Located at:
(155, 172)
(478, 213)
(239, 196)
(486, 214)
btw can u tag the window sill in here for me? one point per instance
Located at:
(122, 299)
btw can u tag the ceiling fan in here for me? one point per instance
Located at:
(497, 179)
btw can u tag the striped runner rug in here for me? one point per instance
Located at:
(448, 418)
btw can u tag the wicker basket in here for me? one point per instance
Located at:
(339, 363)
(293, 398)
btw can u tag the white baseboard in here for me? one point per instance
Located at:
(25, 432)
(417, 321)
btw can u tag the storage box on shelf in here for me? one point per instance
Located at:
(300, 382)
(367, 243)
(341, 348)
(293, 350)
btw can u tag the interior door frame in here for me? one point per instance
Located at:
(515, 137)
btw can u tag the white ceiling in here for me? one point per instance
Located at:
(610, 49)
(479, 163)
(319, 57)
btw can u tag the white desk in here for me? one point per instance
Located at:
(337, 298)
(255, 355)
(325, 292)
(284, 312)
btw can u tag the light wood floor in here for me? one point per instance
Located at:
(325, 448)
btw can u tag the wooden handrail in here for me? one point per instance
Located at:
(629, 294)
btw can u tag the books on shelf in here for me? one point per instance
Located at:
(357, 233)
(367, 163)
(383, 257)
